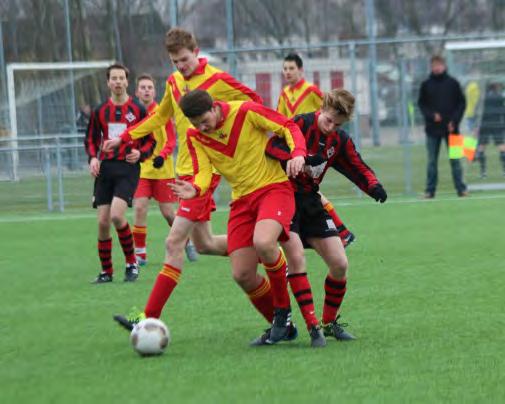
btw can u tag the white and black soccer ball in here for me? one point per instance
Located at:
(150, 337)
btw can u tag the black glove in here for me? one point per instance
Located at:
(158, 162)
(379, 193)
(314, 160)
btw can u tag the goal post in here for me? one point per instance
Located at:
(14, 68)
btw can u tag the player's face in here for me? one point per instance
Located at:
(206, 123)
(329, 121)
(185, 60)
(292, 74)
(438, 67)
(145, 91)
(117, 83)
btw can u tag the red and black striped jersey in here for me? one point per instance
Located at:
(336, 150)
(108, 121)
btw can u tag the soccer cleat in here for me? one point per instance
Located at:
(280, 325)
(317, 339)
(131, 320)
(103, 277)
(264, 339)
(131, 272)
(429, 195)
(337, 330)
(191, 251)
(140, 260)
(348, 239)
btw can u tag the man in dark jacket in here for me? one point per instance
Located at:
(442, 103)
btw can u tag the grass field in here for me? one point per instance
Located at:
(425, 298)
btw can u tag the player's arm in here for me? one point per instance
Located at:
(168, 147)
(348, 161)
(271, 121)
(233, 90)
(92, 143)
(147, 145)
(202, 169)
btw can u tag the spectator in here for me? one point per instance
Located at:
(442, 104)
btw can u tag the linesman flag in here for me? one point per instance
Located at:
(462, 146)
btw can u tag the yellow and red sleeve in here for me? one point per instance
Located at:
(202, 167)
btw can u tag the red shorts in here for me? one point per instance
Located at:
(275, 201)
(157, 189)
(199, 209)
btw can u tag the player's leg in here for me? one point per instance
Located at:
(300, 286)
(433, 150)
(141, 206)
(343, 232)
(332, 252)
(206, 242)
(118, 217)
(104, 245)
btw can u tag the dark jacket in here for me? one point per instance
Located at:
(441, 93)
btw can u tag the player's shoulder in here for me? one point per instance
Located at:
(100, 106)
(134, 102)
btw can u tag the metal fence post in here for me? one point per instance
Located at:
(354, 89)
(49, 180)
(404, 128)
(59, 172)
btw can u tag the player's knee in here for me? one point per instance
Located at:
(174, 244)
(118, 220)
(140, 211)
(245, 279)
(264, 245)
(338, 267)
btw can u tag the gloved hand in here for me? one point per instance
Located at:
(158, 162)
(314, 160)
(379, 193)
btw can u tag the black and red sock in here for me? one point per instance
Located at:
(334, 295)
(300, 286)
(105, 255)
(126, 241)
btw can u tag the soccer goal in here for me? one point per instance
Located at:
(44, 100)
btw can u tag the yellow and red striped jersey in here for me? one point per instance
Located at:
(237, 148)
(220, 85)
(302, 98)
(165, 144)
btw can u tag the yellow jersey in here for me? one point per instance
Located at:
(302, 98)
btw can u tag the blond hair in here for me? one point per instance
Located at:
(341, 101)
(178, 38)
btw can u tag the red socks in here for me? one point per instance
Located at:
(167, 280)
(126, 240)
(105, 254)
(300, 287)
(335, 292)
(262, 299)
(276, 273)
(342, 230)
(139, 236)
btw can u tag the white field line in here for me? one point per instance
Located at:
(364, 202)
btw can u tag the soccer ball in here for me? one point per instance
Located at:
(150, 337)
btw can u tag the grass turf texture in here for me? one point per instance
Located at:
(425, 298)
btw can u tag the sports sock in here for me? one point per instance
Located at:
(139, 236)
(166, 281)
(276, 273)
(262, 299)
(126, 240)
(300, 286)
(334, 294)
(105, 255)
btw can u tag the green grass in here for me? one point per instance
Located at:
(425, 298)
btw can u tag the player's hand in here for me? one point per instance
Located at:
(378, 193)
(94, 167)
(158, 162)
(183, 189)
(437, 117)
(314, 160)
(133, 156)
(111, 144)
(451, 127)
(294, 166)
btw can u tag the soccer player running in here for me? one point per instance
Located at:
(327, 146)
(301, 97)
(156, 173)
(116, 172)
(193, 215)
(232, 137)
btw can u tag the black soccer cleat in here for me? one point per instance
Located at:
(317, 339)
(335, 329)
(124, 322)
(280, 325)
(131, 272)
(264, 339)
(103, 277)
(129, 322)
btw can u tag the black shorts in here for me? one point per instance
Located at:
(311, 219)
(497, 136)
(117, 178)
